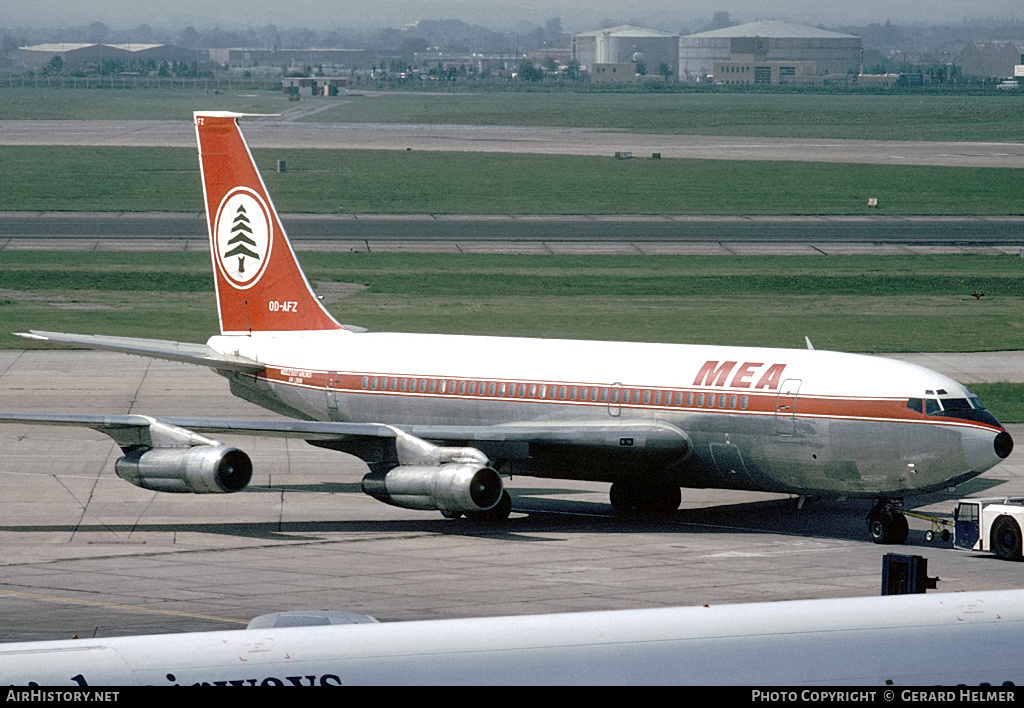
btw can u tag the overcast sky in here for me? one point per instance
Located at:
(497, 14)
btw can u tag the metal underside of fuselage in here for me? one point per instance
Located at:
(756, 452)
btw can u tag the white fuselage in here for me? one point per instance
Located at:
(792, 420)
(879, 641)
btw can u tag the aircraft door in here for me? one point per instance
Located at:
(785, 407)
(615, 399)
(332, 394)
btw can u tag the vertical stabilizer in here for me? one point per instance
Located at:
(260, 286)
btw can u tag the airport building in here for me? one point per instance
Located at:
(995, 60)
(605, 52)
(768, 51)
(338, 58)
(78, 55)
(314, 85)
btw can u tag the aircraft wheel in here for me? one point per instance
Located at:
(1006, 539)
(878, 529)
(669, 499)
(448, 514)
(499, 512)
(638, 500)
(888, 527)
(625, 499)
(901, 528)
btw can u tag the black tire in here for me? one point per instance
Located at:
(1006, 539)
(630, 500)
(669, 499)
(887, 527)
(625, 499)
(497, 513)
(878, 528)
(901, 529)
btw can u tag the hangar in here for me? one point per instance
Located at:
(78, 55)
(770, 41)
(627, 44)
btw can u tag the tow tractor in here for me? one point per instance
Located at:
(991, 524)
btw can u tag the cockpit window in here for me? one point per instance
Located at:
(955, 404)
(936, 404)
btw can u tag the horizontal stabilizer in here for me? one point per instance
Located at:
(189, 353)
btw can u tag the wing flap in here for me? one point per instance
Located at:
(589, 433)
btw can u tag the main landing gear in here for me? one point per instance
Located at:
(886, 522)
(651, 499)
(497, 513)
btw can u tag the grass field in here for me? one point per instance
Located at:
(869, 304)
(818, 115)
(857, 303)
(851, 304)
(19, 103)
(355, 181)
(894, 116)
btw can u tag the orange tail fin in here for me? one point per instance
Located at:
(260, 286)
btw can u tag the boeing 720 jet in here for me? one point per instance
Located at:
(439, 419)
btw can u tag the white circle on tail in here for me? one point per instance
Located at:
(242, 237)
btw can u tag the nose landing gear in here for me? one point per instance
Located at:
(887, 523)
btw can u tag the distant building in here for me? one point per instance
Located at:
(627, 44)
(561, 56)
(620, 73)
(338, 58)
(886, 81)
(314, 85)
(766, 73)
(78, 55)
(995, 60)
(769, 41)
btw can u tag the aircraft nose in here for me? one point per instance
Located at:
(1003, 445)
(984, 449)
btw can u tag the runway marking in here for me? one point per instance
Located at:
(114, 605)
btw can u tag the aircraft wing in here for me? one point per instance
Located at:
(119, 427)
(189, 353)
(451, 468)
(379, 443)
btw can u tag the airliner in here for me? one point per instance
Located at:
(970, 639)
(440, 419)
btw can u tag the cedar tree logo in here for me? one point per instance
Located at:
(243, 237)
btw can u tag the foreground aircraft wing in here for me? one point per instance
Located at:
(199, 354)
(857, 641)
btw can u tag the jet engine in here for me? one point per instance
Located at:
(451, 487)
(202, 469)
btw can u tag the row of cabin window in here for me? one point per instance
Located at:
(554, 392)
